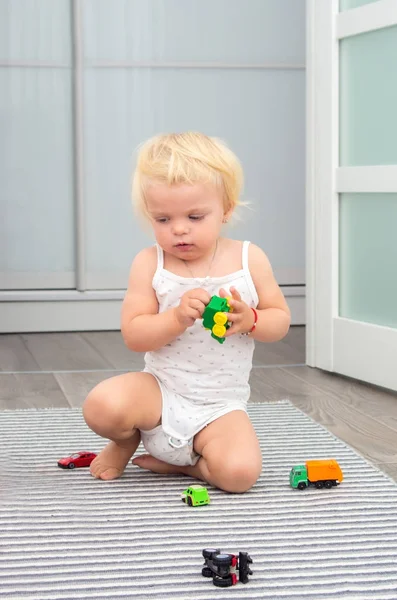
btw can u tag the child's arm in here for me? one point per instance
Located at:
(274, 316)
(142, 326)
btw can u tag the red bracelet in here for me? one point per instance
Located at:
(255, 322)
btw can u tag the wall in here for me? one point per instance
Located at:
(83, 83)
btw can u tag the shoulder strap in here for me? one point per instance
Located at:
(245, 255)
(160, 257)
(247, 275)
(160, 262)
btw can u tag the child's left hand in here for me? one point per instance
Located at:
(242, 317)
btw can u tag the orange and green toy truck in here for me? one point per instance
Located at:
(320, 473)
(214, 317)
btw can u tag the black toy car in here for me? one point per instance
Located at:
(223, 568)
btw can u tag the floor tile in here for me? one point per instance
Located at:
(389, 468)
(372, 439)
(76, 386)
(63, 352)
(290, 350)
(111, 346)
(14, 355)
(272, 384)
(381, 404)
(30, 390)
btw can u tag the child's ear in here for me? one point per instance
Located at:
(227, 215)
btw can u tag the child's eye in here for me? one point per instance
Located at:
(162, 220)
(196, 217)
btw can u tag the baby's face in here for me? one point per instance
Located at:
(186, 219)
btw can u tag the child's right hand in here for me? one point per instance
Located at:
(191, 306)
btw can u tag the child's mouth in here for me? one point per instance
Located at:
(183, 246)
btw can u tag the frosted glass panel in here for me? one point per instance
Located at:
(259, 113)
(35, 30)
(368, 258)
(36, 226)
(347, 4)
(257, 31)
(368, 98)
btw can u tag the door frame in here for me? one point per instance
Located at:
(334, 343)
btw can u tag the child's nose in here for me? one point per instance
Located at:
(179, 228)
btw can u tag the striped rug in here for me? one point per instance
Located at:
(65, 535)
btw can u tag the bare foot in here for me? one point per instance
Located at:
(148, 462)
(112, 460)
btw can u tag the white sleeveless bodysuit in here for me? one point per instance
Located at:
(200, 379)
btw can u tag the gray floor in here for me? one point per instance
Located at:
(58, 369)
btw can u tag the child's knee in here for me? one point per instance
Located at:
(101, 411)
(93, 406)
(237, 473)
(241, 476)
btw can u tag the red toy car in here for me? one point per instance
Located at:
(79, 459)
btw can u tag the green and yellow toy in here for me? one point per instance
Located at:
(214, 317)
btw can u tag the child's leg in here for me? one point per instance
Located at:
(116, 409)
(230, 454)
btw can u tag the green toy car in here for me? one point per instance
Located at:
(214, 317)
(196, 495)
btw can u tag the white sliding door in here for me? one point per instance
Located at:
(352, 188)
(37, 248)
(83, 83)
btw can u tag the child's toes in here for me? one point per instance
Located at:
(148, 462)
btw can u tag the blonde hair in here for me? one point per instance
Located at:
(187, 158)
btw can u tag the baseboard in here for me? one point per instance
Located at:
(99, 314)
